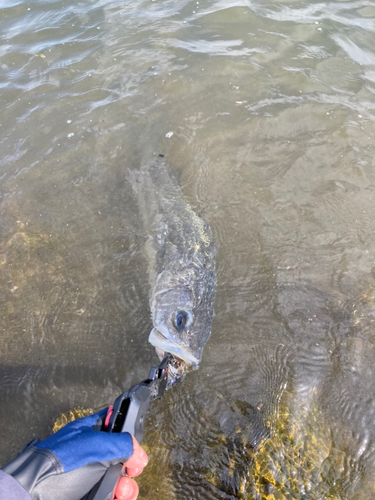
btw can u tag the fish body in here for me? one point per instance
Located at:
(181, 258)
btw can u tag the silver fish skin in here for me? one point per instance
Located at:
(181, 266)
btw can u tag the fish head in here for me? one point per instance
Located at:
(182, 317)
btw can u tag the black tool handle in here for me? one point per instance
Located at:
(107, 484)
(129, 413)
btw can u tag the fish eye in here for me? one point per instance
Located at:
(180, 320)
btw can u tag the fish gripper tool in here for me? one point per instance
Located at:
(127, 414)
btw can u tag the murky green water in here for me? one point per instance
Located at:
(272, 109)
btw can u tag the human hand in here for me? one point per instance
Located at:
(127, 488)
(67, 465)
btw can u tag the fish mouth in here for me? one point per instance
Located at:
(177, 369)
(164, 345)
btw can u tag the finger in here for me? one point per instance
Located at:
(138, 460)
(134, 472)
(126, 489)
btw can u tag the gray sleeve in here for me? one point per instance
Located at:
(40, 473)
(11, 489)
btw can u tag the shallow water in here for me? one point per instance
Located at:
(272, 109)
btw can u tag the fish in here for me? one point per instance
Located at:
(182, 275)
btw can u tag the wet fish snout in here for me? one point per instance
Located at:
(162, 341)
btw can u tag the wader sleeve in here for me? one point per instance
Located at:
(68, 464)
(10, 488)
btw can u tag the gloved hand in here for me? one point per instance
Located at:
(66, 465)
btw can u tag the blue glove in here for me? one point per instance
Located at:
(67, 465)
